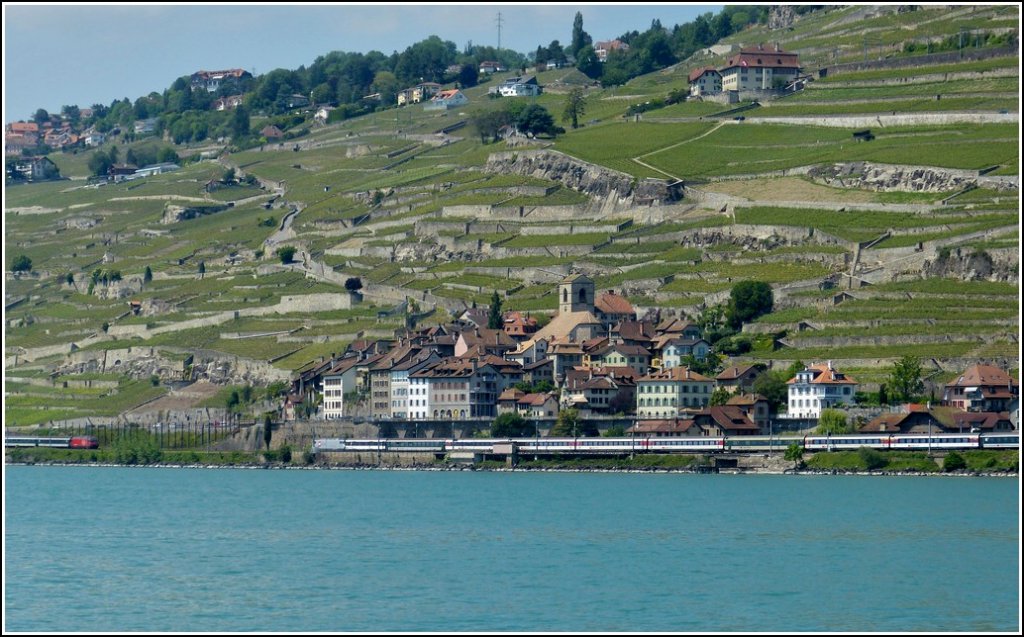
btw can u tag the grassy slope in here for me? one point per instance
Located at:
(352, 157)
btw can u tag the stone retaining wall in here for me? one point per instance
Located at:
(596, 181)
(899, 339)
(921, 60)
(901, 178)
(902, 119)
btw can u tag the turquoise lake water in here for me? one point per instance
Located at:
(104, 549)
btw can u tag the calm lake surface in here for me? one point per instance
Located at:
(103, 549)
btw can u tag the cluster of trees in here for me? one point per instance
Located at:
(532, 119)
(358, 83)
(103, 159)
(721, 324)
(343, 78)
(960, 41)
(21, 263)
(658, 46)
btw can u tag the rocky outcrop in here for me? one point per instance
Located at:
(781, 17)
(972, 265)
(174, 213)
(596, 181)
(886, 177)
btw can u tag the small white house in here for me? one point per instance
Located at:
(517, 87)
(95, 139)
(819, 387)
(338, 381)
(675, 351)
(452, 98)
(157, 169)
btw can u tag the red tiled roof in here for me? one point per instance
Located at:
(983, 375)
(826, 376)
(891, 423)
(662, 426)
(729, 417)
(511, 394)
(697, 73)
(612, 303)
(534, 399)
(746, 399)
(611, 45)
(763, 58)
(676, 374)
(487, 337)
(636, 330)
(981, 420)
(734, 372)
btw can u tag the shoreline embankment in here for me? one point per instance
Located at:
(491, 469)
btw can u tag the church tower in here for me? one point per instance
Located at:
(576, 294)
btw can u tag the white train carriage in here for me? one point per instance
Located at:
(761, 443)
(846, 442)
(1009, 440)
(694, 445)
(934, 441)
(36, 441)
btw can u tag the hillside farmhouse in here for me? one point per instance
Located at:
(752, 69)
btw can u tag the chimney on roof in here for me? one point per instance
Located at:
(777, 47)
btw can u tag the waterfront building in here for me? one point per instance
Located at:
(982, 388)
(819, 387)
(661, 394)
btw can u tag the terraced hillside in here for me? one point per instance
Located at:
(905, 244)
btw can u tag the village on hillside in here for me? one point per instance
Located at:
(761, 222)
(597, 360)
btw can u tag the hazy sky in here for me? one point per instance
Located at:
(86, 54)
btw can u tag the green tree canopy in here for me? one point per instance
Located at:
(495, 321)
(569, 424)
(588, 63)
(575, 107)
(905, 379)
(537, 120)
(488, 123)
(832, 421)
(709, 366)
(469, 75)
(772, 385)
(268, 430)
(21, 263)
(240, 122)
(747, 301)
(720, 396)
(511, 425)
(100, 162)
(580, 38)
(286, 253)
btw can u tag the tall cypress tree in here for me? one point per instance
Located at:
(580, 38)
(494, 319)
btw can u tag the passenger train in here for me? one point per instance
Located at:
(1009, 440)
(73, 442)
